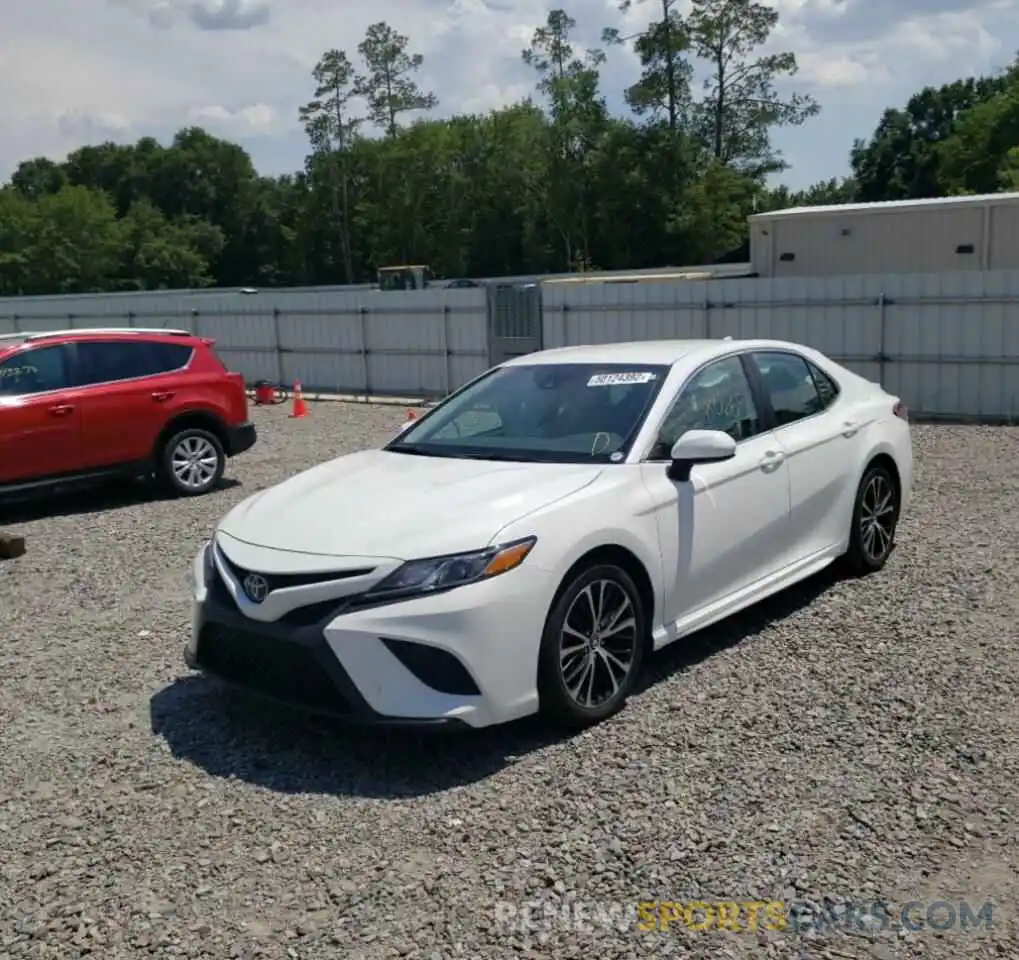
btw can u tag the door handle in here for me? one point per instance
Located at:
(772, 459)
(62, 410)
(162, 397)
(849, 428)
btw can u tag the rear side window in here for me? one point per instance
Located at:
(113, 360)
(34, 371)
(790, 386)
(827, 389)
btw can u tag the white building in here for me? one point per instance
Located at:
(906, 236)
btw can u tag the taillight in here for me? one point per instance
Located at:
(900, 410)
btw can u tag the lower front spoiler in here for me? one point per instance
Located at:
(361, 715)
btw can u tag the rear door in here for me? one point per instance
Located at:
(822, 446)
(126, 388)
(40, 415)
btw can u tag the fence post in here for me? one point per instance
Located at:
(447, 373)
(365, 367)
(278, 345)
(883, 328)
(707, 318)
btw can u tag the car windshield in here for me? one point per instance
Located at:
(543, 413)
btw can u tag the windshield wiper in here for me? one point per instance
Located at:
(415, 450)
(498, 457)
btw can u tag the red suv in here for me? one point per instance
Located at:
(87, 405)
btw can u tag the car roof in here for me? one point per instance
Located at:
(11, 341)
(652, 352)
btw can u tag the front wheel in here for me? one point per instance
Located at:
(592, 648)
(875, 519)
(191, 462)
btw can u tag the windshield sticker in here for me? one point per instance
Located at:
(614, 379)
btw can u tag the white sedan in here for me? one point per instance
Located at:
(530, 540)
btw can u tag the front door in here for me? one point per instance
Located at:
(40, 416)
(728, 526)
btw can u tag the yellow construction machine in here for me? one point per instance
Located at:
(416, 277)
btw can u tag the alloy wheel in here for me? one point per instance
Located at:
(598, 643)
(877, 518)
(194, 462)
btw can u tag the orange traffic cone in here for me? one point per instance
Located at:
(411, 415)
(300, 404)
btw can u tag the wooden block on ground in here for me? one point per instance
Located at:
(11, 546)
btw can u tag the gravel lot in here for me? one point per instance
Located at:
(856, 740)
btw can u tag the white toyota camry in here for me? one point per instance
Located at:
(527, 543)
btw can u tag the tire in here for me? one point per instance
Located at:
(558, 673)
(186, 445)
(876, 509)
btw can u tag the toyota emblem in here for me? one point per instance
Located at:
(256, 587)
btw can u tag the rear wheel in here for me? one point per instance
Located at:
(875, 519)
(592, 648)
(191, 462)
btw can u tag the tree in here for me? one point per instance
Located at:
(156, 254)
(664, 84)
(16, 214)
(742, 106)
(38, 178)
(980, 154)
(331, 126)
(578, 113)
(72, 243)
(900, 161)
(388, 85)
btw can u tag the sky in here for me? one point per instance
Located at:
(74, 72)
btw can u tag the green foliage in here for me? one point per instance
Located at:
(548, 185)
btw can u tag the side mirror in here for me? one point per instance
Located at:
(699, 446)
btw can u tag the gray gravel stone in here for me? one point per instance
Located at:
(848, 741)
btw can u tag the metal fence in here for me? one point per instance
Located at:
(947, 344)
(402, 343)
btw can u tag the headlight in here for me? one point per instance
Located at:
(443, 573)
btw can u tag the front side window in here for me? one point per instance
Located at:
(112, 360)
(718, 397)
(36, 370)
(790, 386)
(551, 413)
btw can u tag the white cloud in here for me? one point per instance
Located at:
(79, 71)
(255, 119)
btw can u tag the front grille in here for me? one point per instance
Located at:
(280, 581)
(275, 668)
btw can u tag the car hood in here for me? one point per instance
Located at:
(381, 504)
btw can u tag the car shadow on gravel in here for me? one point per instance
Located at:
(235, 736)
(111, 496)
(742, 626)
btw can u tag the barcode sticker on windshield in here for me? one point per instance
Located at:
(614, 379)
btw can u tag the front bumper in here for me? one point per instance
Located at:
(240, 438)
(463, 658)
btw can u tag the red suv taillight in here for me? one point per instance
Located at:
(900, 411)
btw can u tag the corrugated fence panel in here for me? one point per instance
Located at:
(948, 344)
